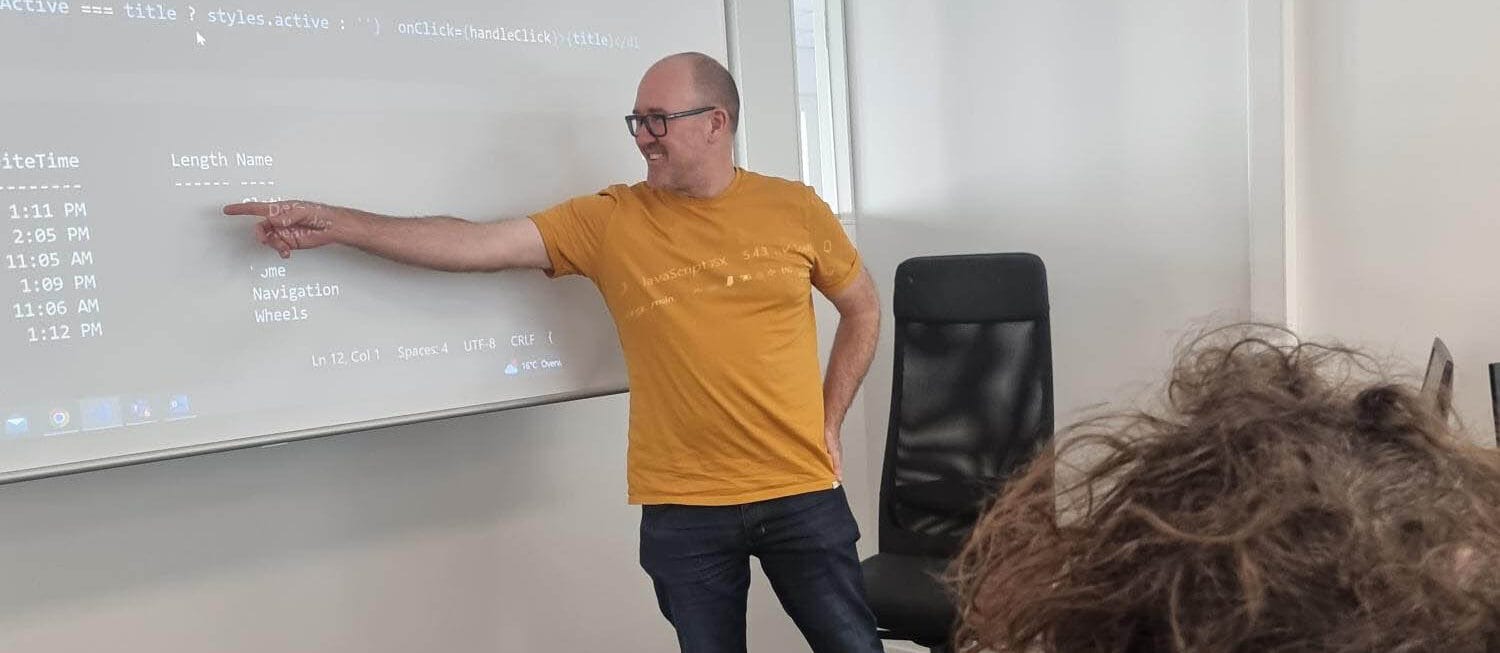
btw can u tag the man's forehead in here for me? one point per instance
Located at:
(664, 88)
(660, 104)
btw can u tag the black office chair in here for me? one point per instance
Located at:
(971, 401)
(1495, 398)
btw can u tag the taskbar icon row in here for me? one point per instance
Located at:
(96, 414)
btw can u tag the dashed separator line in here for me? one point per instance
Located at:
(198, 184)
(44, 187)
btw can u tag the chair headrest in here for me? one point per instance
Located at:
(971, 288)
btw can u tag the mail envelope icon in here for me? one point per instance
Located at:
(16, 425)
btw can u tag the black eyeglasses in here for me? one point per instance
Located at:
(656, 123)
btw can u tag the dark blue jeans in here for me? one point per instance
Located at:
(698, 557)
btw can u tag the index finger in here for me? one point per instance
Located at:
(262, 209)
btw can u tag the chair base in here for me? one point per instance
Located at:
(931, 648)
(908, 598)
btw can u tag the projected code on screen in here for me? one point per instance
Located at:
(52, 288)
(277, 296)
(211, 17)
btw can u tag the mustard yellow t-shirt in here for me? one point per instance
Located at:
(712, 300)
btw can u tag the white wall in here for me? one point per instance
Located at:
(1398, 177)
(502, 532)
(1108, 137)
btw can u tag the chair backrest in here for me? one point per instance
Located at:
(971, 393)
(1437, 383)
(1495, 398)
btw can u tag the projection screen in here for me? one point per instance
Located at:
(141, 324)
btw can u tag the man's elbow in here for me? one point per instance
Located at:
(863, 311)
(858, 300)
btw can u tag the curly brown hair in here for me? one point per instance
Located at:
(1287, 498)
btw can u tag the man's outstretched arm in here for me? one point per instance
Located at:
(439, 243)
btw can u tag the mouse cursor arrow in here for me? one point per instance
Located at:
(200, 38)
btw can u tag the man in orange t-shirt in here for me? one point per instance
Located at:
(707, 270)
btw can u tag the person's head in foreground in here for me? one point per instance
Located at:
(1281, 501)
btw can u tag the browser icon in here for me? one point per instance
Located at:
(60, 419)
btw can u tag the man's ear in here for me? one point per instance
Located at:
(718, 124)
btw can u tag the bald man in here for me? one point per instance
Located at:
(734, 437)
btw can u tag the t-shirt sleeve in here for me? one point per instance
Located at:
(573, 233)
(836, 263)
